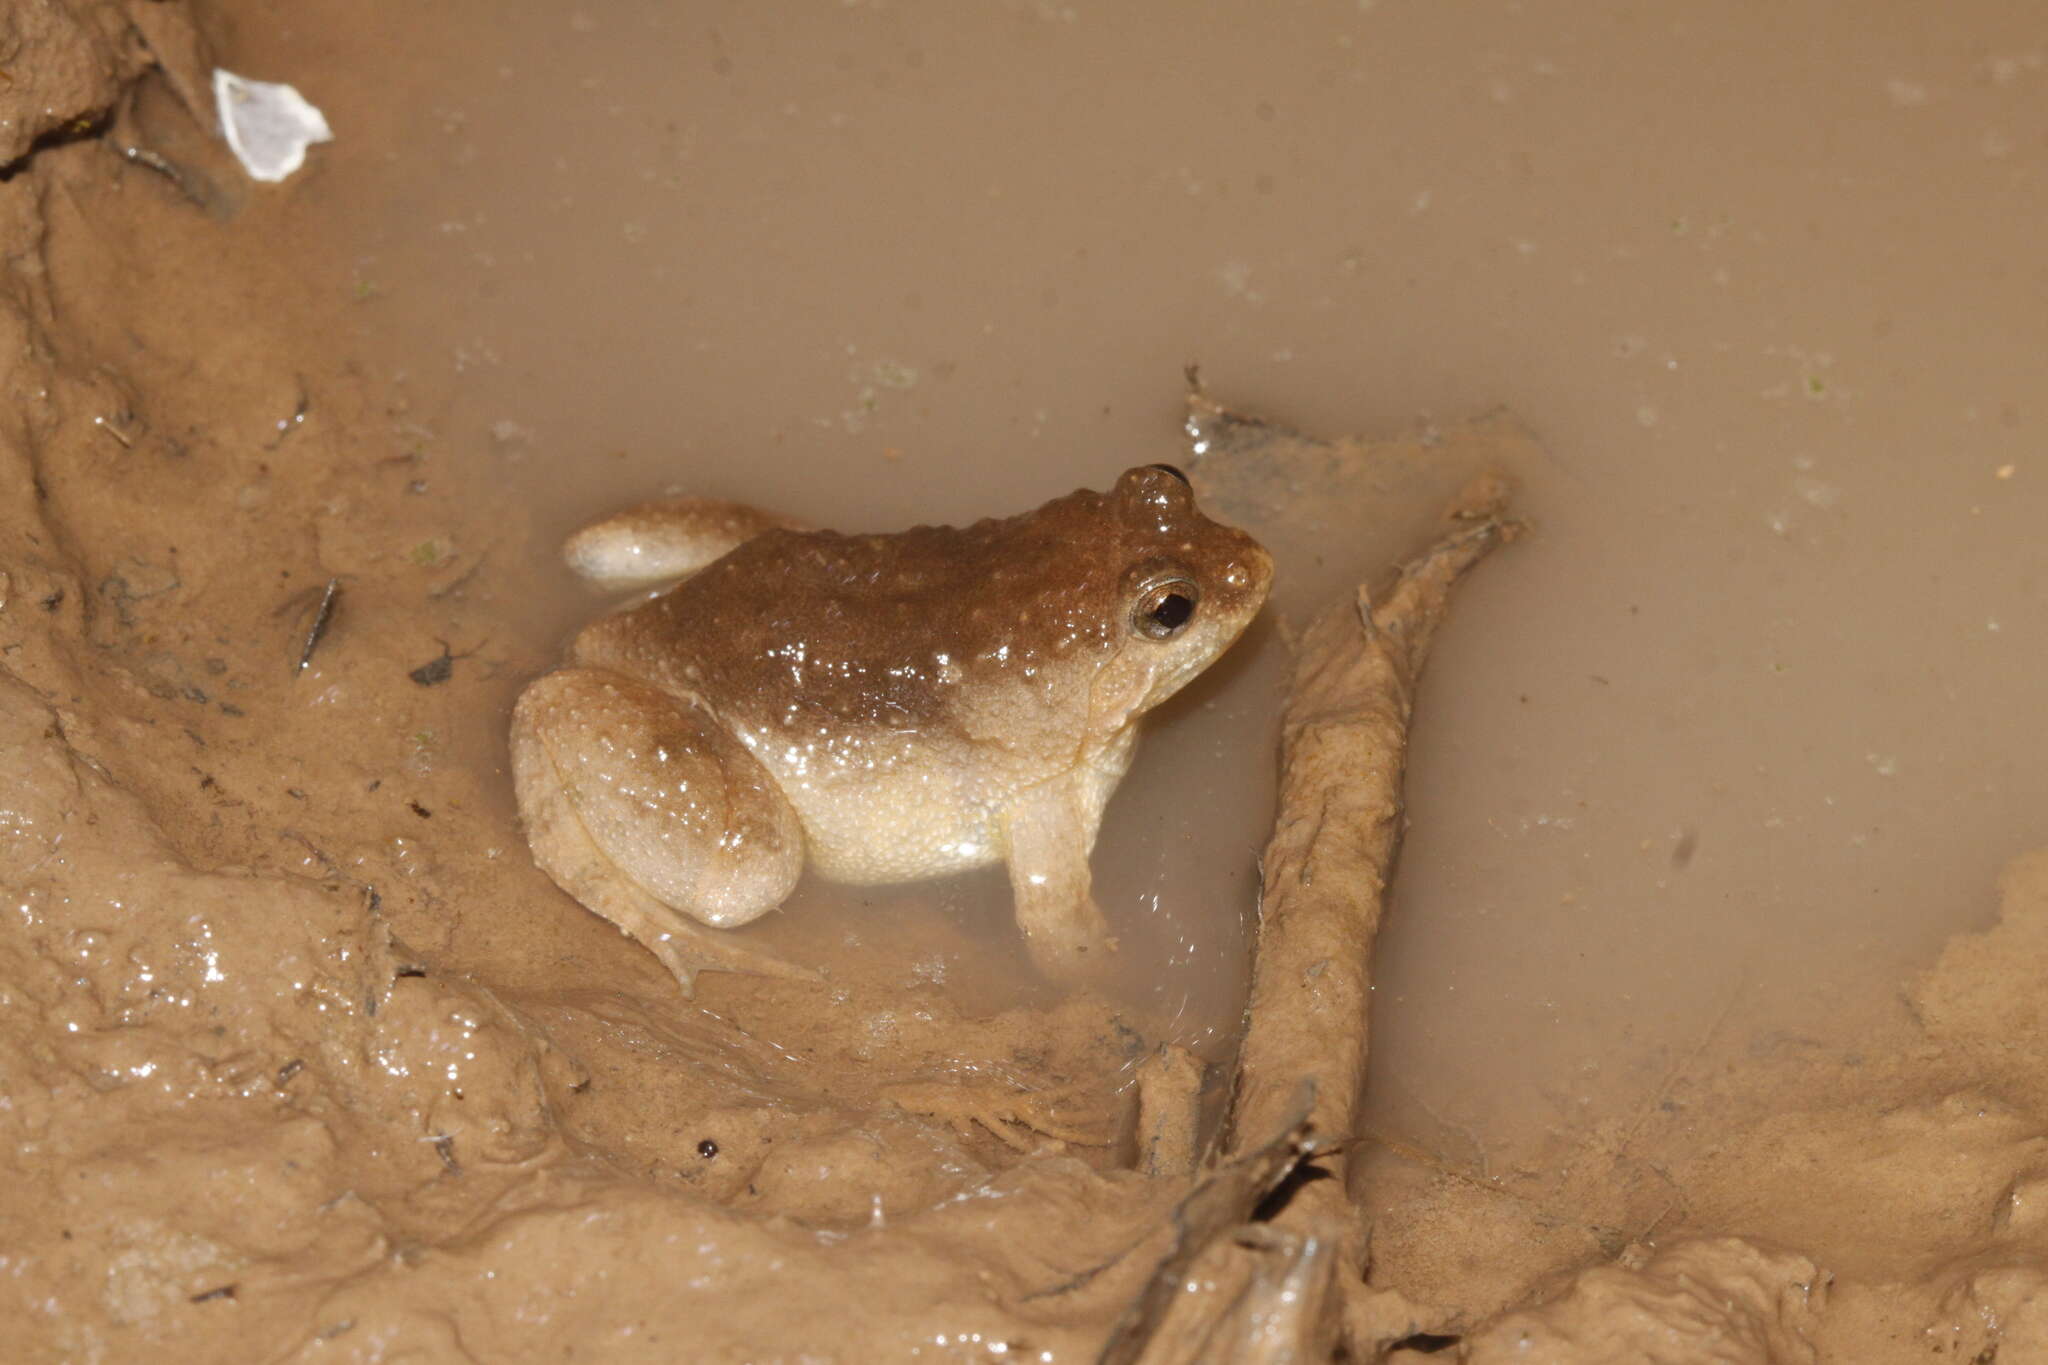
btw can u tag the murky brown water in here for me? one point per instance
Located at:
(1731, 742)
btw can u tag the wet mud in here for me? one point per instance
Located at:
(301, 1058)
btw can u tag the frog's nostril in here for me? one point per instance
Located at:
(1169, 469)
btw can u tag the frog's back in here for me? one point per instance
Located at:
(884, 631)
(900, 687)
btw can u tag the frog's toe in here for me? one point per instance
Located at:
(686, 948)
(1015, 1114)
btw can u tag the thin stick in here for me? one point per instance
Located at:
(322, 614)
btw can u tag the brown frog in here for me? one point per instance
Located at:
(887, 707)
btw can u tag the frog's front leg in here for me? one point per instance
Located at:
(643, 808)
(1049, 831)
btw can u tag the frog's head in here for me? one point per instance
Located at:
(1188, 589)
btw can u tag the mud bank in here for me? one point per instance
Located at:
(300, 1058)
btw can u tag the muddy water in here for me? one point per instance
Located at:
(1729, 743)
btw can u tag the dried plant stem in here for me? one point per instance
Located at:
(1326, 869)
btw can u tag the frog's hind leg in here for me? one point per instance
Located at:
(659, 542)
(643, 809)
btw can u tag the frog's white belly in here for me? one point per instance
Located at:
(898, 807)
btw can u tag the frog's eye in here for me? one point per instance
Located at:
(1169, 469)
(1164, 608)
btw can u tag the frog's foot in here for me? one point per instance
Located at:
(1076, 1114)
(1068, 941)
(681, 944)
(1063, 930)
(643, 809)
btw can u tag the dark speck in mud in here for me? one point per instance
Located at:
(434, 672)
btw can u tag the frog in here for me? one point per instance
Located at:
(880, 708)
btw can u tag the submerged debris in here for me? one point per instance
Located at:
(165, 167)
(322, 614)
(297, 418)
(436, 671)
